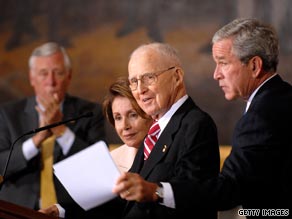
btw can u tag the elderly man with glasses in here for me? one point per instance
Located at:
(186, 140)
(181, 145)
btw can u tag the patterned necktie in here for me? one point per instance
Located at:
(48, 193)
(151, 139)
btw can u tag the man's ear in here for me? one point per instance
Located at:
(179, 74)
(256, 65)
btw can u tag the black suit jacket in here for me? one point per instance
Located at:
(22, 180)
(257, 173)
(186, 149)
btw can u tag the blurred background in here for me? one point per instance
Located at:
(100, 35)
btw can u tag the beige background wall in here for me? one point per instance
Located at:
(100, 35)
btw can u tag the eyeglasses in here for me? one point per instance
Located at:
(147, 78)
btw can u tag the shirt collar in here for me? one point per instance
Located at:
(255, 91)
(163, 121)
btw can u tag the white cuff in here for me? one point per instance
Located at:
(29, 150)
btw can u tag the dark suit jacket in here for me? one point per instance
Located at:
(191, 151)
(257, 173)
(22, 177)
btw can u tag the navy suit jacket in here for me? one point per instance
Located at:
(22, 179)
(261, 157)
(257, 173)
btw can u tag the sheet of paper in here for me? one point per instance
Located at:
(89, 175)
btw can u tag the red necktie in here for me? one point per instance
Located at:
(151, 139)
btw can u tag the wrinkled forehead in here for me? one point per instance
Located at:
(145, 61)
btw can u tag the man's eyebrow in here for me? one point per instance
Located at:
(219, 57)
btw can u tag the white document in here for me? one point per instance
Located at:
(89, 175)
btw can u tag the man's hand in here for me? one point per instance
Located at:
(51, 111)
(48, 114)
(39, 137)
(133, 187)
(52, 211)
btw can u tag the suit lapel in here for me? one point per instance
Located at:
(161, 147)
(30, 117)
(138, 161)
(69, 110)
(165, 140)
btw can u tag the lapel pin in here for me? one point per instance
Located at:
(164, 148)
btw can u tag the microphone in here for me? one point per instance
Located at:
(85, 115)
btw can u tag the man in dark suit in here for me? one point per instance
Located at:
(50, 75)
(187, 145)
(257, 173)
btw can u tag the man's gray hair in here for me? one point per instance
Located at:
(48, 49)
(252, 38)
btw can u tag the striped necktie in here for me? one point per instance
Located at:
(151, 139)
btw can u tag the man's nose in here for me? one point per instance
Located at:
(216, 74)
(141, 87)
